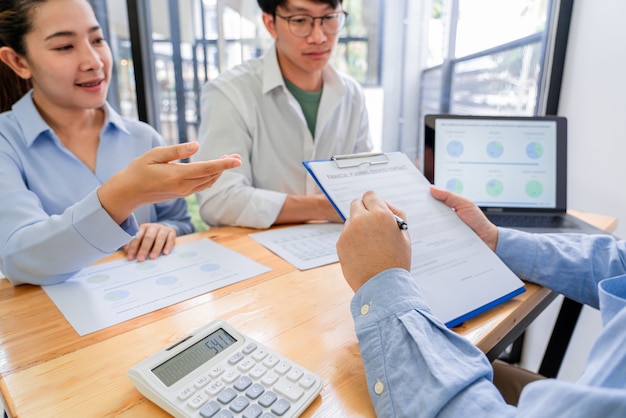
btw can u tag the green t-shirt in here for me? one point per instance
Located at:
(309, 102)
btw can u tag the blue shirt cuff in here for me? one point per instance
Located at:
(97, 227)
(378, 299)
(612, 293)
(518, 250)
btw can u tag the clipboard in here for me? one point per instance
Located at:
(460, 277)
(346, 162)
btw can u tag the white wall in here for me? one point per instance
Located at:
(593, 98)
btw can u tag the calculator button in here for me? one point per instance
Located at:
(289, 390)
(307, 382)
(267, 399)
(209, 409)
(239, 404)
(201, 382)
(253, 412)
(235, 358)
(227, 395)
(249, 348)
(231, 375)
(186, 393)
(282, 368)
(246, 365)
(216, 371)
(259, 354)
(280, 407)
(255, 391)
(224, 413)
(257, 372)
(197, 401)
(269, 379)
(295, 375)
(215, 387)
(242, 383)
(271, 361)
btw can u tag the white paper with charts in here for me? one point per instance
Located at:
(458, 274)
(109, 293)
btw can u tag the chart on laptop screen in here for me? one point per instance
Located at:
(501, 163)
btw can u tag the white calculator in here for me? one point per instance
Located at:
(219, 372)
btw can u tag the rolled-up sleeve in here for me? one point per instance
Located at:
(414, 365)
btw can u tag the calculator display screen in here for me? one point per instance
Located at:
(188, 360)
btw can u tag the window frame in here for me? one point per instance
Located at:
(404, 95)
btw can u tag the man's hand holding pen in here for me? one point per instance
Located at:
(374, 232)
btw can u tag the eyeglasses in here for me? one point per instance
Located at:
(302, 25)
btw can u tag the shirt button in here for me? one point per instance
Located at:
(365, 309)
(379, 387)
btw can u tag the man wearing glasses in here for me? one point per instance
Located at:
(276, 111)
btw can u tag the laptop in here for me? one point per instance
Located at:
(513, 167)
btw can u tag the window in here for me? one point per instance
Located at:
(114, 21)
(470, 57)
(412, 58)
(488, 54)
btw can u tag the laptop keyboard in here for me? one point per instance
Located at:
(527, 221)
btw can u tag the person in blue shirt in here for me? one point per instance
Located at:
(416, 367)
(77, 181)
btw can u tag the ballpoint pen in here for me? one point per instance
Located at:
(401, 222)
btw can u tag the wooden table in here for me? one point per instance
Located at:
(47, 370)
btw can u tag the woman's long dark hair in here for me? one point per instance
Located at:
(15, 23)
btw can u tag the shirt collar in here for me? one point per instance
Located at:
(273, 77)
(29, 119)
(113, 119)
(33, 125)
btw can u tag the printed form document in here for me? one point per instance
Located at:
(458, 274)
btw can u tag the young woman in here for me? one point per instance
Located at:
(77, 181)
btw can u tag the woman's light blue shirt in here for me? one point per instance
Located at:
(51, 221)
(416, 367)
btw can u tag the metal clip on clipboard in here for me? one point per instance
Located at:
(355, 160)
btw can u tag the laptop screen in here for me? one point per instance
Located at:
(507, 163)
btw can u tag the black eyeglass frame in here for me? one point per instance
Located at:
(313, 19)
